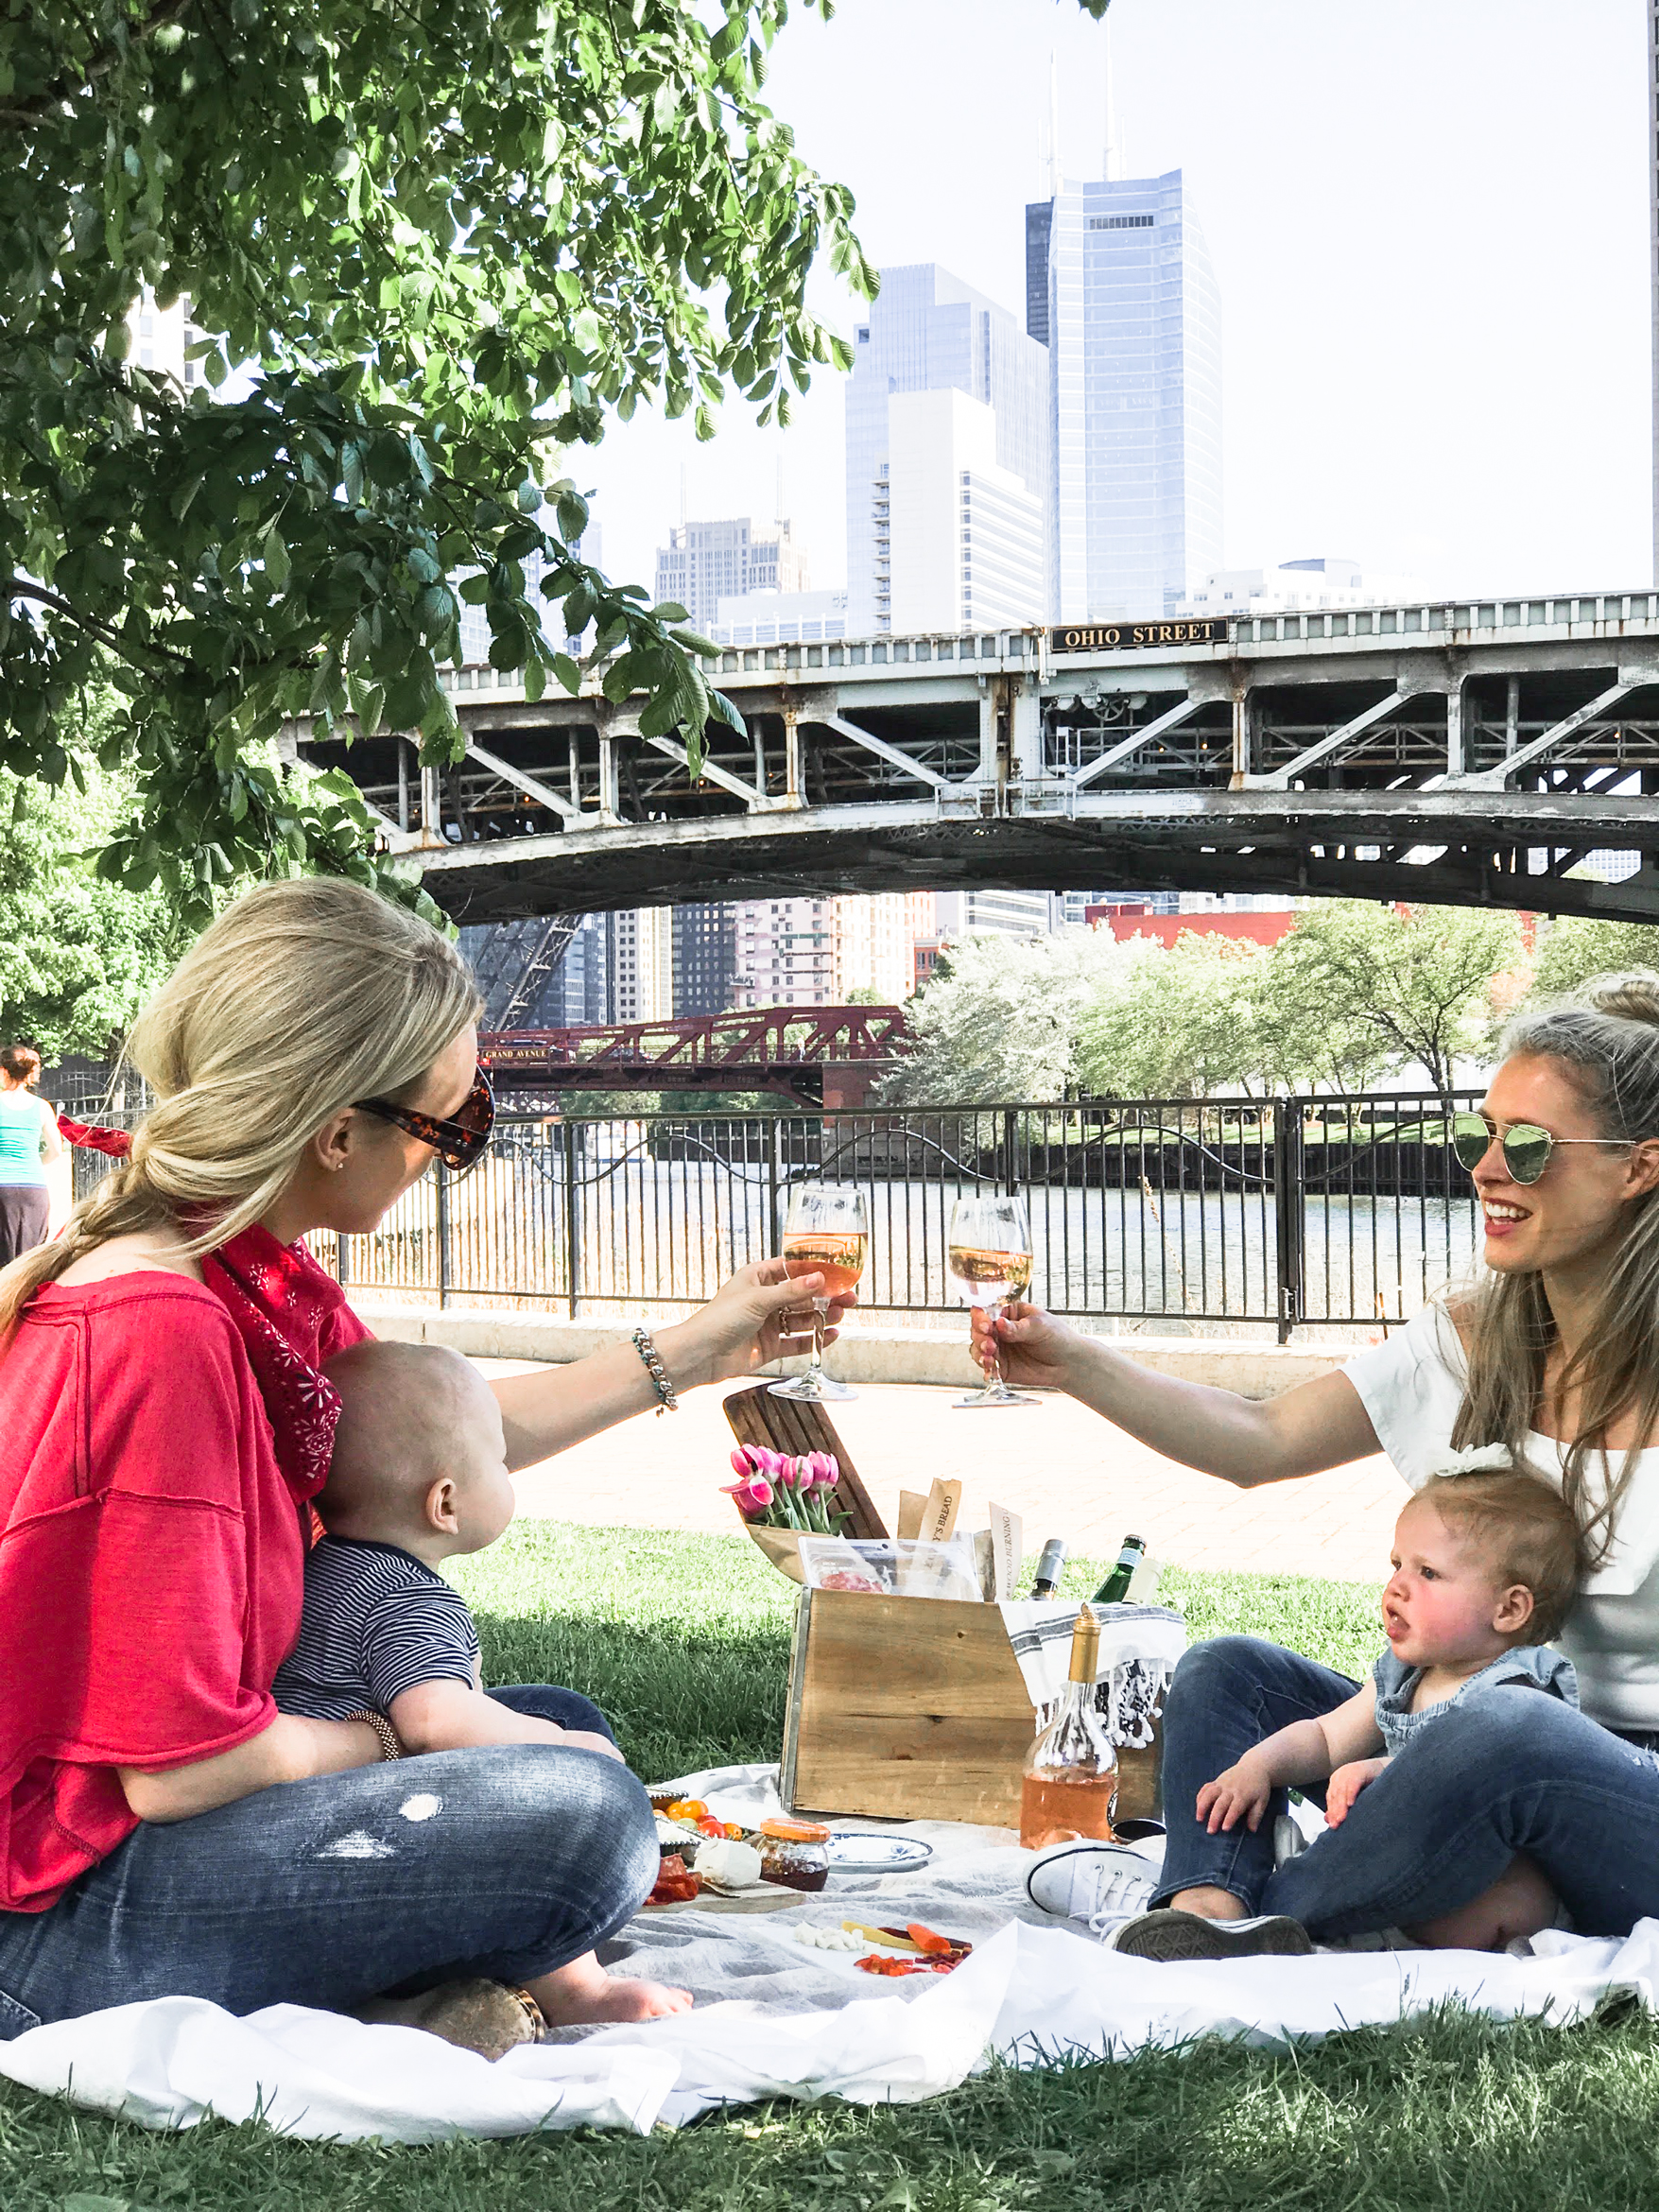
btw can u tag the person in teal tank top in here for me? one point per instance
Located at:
(28, 1139)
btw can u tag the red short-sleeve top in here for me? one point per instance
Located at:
(153, 1529)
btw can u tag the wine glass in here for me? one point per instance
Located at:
(826, 1231)
(990, 1255)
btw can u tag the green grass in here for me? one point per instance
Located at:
(685, 1641)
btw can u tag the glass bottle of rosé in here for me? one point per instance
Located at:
(1070, 1784)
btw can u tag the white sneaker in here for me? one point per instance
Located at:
(1100, 1884)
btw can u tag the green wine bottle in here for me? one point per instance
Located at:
(1114, 1589)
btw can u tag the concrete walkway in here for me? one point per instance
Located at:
(1065, 1469)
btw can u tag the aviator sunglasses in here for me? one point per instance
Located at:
(460, 1144)
(1525, 1146)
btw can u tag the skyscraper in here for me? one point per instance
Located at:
(1120, 286)
(703, 561)
(818, 950)
(928, 331)
(704, 956)
(964, 535)
(642, 964)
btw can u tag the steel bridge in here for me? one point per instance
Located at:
(1472, 752)
(817, 1054)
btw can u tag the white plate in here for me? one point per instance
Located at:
(851, 1852)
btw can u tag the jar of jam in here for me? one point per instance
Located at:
(794, 1853)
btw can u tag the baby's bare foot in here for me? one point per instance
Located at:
(583, 1994)
(622, 2000)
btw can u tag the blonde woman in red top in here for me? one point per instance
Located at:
(163, 1829)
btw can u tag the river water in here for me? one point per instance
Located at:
(632, 1231)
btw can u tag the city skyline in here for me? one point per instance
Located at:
(1478, 417)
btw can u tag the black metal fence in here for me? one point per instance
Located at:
(1271, 1214)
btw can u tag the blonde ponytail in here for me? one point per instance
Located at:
(300, 998)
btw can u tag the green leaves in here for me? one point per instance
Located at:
(437, 256)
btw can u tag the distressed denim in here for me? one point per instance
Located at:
(1510, 1772)
(506, 1862)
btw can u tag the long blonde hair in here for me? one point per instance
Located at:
(303, 997)
(1606, 1041)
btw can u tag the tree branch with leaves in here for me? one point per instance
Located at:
(444, 240)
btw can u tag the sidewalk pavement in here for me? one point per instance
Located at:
(1063, 1469)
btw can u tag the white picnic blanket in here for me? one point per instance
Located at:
(776, 2019)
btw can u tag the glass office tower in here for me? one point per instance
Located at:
(1119, 287)
(927, 330)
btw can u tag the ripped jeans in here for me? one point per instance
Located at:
(507, 1861)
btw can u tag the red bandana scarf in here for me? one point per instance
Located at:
(281, 1300)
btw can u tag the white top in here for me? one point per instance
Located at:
(1411, 1387)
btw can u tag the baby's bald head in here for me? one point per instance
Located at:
(413, 1418)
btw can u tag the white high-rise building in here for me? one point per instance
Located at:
(928, 331)
(875, 945)
(1119, 286)
(751, 618)
(705, 561)
(158, 337)
(1321, 582)
(786, 952)
(642, 964)
(1009, 913)
(820, 951)
(965, 534)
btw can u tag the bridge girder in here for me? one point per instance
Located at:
(1473, 753)
(1338, 844)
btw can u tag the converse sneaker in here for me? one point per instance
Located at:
(1170, 1936)
(1100, 1884)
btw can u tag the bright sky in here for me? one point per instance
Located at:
(1429, 225)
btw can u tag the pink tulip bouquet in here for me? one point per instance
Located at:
(774, 1490)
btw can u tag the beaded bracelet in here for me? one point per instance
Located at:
(391, 1748)
(667, 1401)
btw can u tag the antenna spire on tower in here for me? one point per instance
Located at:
(1056, 175)
(1113, 166)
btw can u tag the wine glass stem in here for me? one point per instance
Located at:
(819, 1315)
(994, 1380)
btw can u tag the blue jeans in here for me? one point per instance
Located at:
(1513, 1772)
(506, 1862)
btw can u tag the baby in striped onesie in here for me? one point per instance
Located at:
(419, 1475)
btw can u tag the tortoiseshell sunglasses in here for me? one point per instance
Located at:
(460, 1144)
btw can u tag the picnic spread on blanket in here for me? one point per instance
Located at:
(853, 1920)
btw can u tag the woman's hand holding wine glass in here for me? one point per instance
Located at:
(826, 1233)
(1032, 1347)
(989, 1257)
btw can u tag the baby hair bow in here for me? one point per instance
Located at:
(1479, 1460)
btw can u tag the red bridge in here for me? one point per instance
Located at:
(830, 1056)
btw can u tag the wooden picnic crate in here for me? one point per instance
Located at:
(914, 1708)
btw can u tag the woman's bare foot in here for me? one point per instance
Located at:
(583, 1994)
(1519, 1902)
(1213, 1903)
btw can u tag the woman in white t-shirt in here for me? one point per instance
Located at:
(1554, 1354)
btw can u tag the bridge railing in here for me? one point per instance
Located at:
(1593, 615)
(1236, 1216)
